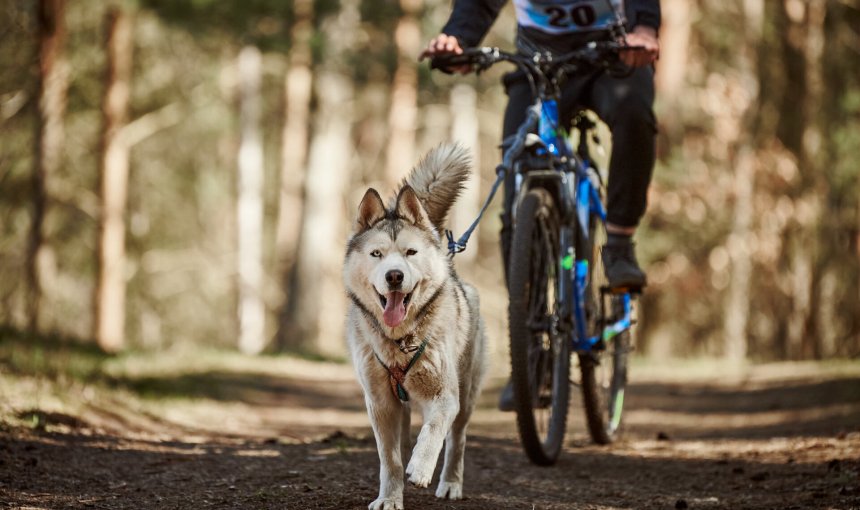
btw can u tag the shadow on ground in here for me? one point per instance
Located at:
(249, 388)
(773, 445)
(74, 470)
(703, 411)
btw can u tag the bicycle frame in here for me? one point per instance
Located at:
(569, 177)
(579, 198)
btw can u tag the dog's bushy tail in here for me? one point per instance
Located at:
(438, 180)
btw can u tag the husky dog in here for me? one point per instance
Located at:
(413, 328)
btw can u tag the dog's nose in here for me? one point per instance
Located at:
(394, 278)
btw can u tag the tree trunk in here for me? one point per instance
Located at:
(829, 319)
(736, 316)
(805, 36)
(53, 84)
(294, 147)
(252, 310)
(403, 112)
(815, 166)
(672, 68)
(109, 324)
(674, 49)
(316, 304)
(801, 298)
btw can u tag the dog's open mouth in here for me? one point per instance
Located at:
(394, 307)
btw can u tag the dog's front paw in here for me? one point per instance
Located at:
(450, 490)
(419, 473)
(386, 504)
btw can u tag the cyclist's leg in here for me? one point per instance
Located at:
(626, 105)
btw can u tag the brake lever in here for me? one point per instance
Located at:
(482, 65)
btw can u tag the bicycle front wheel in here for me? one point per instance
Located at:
(540, 357)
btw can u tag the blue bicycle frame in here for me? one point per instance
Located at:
(582, 190)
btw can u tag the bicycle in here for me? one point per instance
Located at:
(558, 303)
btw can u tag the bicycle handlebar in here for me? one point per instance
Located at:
(602, 54)
(545, 67)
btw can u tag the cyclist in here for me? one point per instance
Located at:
(624, 103)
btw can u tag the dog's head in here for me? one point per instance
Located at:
(394, 257)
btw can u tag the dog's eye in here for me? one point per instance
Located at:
(411, 252)
(376, 253)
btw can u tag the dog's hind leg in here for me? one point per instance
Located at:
(386, 417)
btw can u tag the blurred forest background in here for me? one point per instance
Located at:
(186, 171)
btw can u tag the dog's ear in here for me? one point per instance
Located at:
(370, 210)
(409, 208)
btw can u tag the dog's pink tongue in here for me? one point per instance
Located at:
(395, 310)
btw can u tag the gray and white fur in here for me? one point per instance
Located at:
(403, 290)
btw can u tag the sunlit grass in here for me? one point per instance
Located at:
(69, 376)
(44, 380)
(55, 384)
(718, 370)
(58, 358)
(52, 357)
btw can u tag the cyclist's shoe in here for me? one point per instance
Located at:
(622, 269)
(506, 399)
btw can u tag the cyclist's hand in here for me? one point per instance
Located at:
(444, 44)
(649, 47)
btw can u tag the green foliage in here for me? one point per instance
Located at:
(264, 23)
(53, 357)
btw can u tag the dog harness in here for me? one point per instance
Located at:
(397, 373)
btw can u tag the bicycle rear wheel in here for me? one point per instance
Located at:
(603, 370)
(540, 357)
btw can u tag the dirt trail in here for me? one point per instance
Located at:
(784, 438)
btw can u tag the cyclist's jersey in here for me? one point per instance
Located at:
(568, 16)
(561, 23)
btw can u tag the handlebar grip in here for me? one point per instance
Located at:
(445, 62)
(470, 57)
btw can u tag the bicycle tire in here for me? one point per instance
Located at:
(603, 371)
(540, 357)
(604, 403)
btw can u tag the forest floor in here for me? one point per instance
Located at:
(183, 430)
